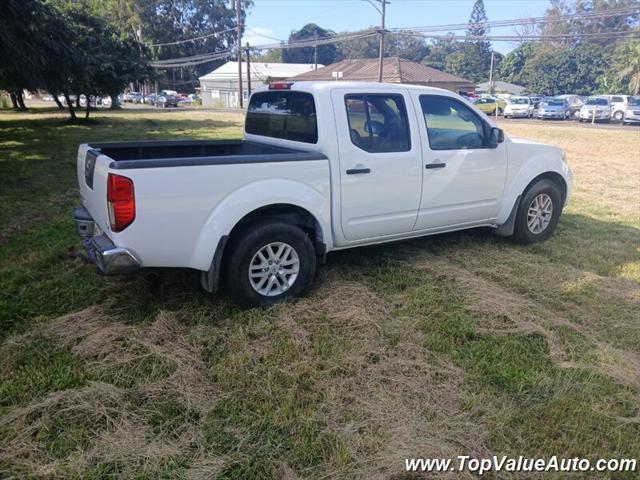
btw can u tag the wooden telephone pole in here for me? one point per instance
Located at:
(248, 53)
(239, 50)
(381, 31)
(381, 49)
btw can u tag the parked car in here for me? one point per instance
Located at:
(133, 97)
(618, 106)
(47, 98)
(632, 111)
(519, 107)
(150, 99)
(166, 99)
(596, 108)
(574, 102)
(553, 108)
(323, 166)
(490, 106)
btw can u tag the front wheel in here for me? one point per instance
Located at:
(538, 212)
(270, 263)
(618, 116)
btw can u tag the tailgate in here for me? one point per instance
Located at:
(93, 169)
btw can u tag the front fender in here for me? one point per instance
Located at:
(255, 195)
(531, 168)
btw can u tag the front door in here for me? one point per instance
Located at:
(464, 176)
(380, 163)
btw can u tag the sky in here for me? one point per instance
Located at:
(277, 18)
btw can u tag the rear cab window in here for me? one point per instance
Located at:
(288, 115)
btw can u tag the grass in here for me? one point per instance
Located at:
(457, 344)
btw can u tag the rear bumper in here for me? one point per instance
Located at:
(101, 251)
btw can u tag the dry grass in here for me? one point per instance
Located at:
(458, 344)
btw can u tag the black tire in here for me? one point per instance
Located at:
(522, 234)
(246, 244)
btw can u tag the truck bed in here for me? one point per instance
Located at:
(150, 154)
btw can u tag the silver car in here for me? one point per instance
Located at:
(596, 109)
(553, 108)
(632, 111)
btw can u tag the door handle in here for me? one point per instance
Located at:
(354, 171)
(435, 165)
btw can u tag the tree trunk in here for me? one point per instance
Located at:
(88, 106)
(72, 112)
(21, 104)
(115, 103)
(14, 100)
(57, 100)
(78, 101)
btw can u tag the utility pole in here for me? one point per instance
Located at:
(248, 51)
(381, 52)
(491, 73)
(381, 31)
(315, 50)
(239, 43)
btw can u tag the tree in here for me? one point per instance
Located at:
(439, 51)
(326, 54)
(400, 45)
(512, 67)
(626, 65)
(168, 26)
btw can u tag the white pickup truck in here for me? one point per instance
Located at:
(323, 166)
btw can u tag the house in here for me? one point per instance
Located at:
(219, 88)
(394, 70)
(501, 87)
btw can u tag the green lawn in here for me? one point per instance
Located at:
(458, 344)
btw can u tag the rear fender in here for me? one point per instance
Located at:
(255, 195)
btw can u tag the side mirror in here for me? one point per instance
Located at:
(496, 137)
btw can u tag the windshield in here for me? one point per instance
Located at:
(597, 101)
(553, 103)
(635, 101)
(519, 101)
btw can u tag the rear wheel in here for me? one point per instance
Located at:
(270, 263)
(538, 212)
(618, 116)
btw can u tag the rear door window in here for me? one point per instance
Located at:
(378, 122)
(288, 115)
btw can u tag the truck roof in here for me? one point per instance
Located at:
(327, 85)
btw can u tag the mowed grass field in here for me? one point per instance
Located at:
(459, 344)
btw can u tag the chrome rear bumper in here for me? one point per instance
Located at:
(101, 251)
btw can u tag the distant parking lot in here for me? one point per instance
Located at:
(613, 125)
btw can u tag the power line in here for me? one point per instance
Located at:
(178, 42)
(424, 32)
(530, 20)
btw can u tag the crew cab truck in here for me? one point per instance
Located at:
(323, 166)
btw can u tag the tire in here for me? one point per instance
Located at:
(619, 116)
(540, 191)
(253, 240)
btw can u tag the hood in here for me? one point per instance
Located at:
(597, 107)
(552, 107)
(534, 147)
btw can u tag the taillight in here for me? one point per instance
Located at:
(280, 86)
(121, 202)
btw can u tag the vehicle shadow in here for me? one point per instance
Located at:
(581, 246)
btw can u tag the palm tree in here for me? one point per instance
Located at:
(629, 59)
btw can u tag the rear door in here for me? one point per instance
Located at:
(380, 163)
(463, 176)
